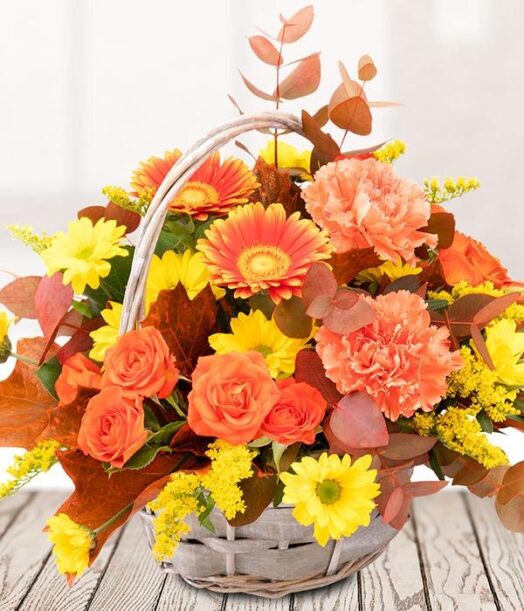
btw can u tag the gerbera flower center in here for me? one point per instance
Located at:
(263, 262)
(328, 491)
(195, 194)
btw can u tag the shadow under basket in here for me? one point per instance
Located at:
(272, 557)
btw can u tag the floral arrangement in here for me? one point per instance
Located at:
(315, 327)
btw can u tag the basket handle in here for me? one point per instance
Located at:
(174, 180)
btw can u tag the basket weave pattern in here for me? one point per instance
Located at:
(275, 555)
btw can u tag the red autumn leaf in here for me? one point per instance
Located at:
(354, 115)
(394, 505)
(117, 491)
(322, 115)
(291, 318)
(347, 265)
(348, 313)
(510, 499)
(461, 313)
(358, 422)
(93, 213)
(265, 50)
(366, 68)
(258, 92)
(302, 81)
(405, 446)
(19, 296)
(52, 302)
(65, 420)
(80, 341)
(443, 224)
(127, 218)
(469, 473)
(296, 26)
(25, 404)
(415, 489)
(184, 324)
(480, 345)
(309, 369)
(490, 484)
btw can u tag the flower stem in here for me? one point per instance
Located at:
(24, 359)
(114, 519)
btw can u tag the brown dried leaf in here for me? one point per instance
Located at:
(325, 148)
(480, 345)
(302, 81)
(258, 491)
(405, 446)
(19, 296)
(258, 92)
(296, 26)
(354, 115)
(366, 68)
(348, 264)
(184, 324)
(265, 50)
(291, 318)
(510, 499)
(415, 489)
(276, 186)
(309, 369)
(443, 224)
(322, 115)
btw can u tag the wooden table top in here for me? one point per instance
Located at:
(453, 554)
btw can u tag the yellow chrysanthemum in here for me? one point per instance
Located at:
(331, 493)
(392, 269)
(25, 466)
(288, 157)
(254, 331)
(230, 464)
(83, 253)
(5, 324)
(176, 501)
(506, 346)
(106, 336)
(72, 543)
(188, 268)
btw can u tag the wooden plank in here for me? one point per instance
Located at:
(132, 580)
(51, 592)
(394, 580)
(451, 558)
(24, 548)
(177, 594)
(342, 596)
(240, 602)
(11, 506)
(502, 551)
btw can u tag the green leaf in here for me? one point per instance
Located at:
(260, 442)
(279, 494)
(485, 422)
(165, 434)
(150, 420)
(437, 304)
(83, 308)
(145, 456)
(278, 449)
(48, 374)
(203, 517)
(435, 465)
(113, 287)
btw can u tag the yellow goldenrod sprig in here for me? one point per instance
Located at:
(122, 198)
(25, 466)
(390, 152)
(27, 235)
(437, 193)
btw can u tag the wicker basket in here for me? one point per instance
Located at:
(274, 555)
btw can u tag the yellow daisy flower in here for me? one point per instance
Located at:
(106, 336)
(188, 268)
(83, 253)
(392, 269)
(506, 346)
(72, 543)
(332, 494)
(288, 157)
(254, 331)
(5, 323)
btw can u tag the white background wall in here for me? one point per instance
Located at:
(90, 87)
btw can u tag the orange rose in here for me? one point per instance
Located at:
(296, 415)
(77, 372)
(232, 394)
(112, 427)
(467, 259)
(140, 363)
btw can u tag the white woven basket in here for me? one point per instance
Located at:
(274, 555)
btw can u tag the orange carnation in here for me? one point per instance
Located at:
(112, 428)
(141, 364)
(232, 394)
(296, 415)
(77, 372)
(467, 259)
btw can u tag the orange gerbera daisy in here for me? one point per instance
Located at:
(215, 188)
(260, 249)
(150, 174)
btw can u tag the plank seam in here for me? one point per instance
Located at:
(224, 602)
(360, 598)
(481, 552)
(291, 602)
(34, 580)
(31, 496)
(425, 583)
(162, 587)
(104, 570)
